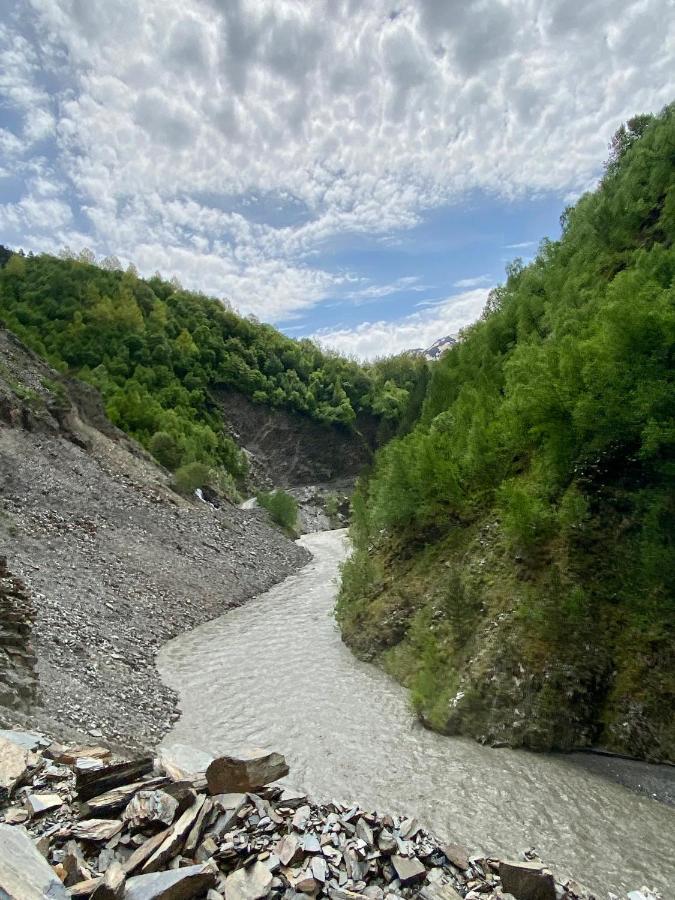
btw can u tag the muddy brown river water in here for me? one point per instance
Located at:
(275, 673)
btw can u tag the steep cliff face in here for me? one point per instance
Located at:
(287, 449)
(18, 679)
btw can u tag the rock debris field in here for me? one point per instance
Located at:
(78, 822)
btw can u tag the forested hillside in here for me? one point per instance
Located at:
(159, 354)
(514, 552)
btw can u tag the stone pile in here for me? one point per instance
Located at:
(80, 823)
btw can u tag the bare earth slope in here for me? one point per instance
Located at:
(116, 563)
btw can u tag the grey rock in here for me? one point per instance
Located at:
(178, 884)
(386, 842)
(181, 761)
(374, 891)
(301, 817)
(252, 883)
(292, 798)
(408, 869)
(87, 764)
(96, 829)
(289, 849)
(29, 740)
(409, 828)
(457, 855)
(206, 850)
(149, 808)
(176, 835)
(305, 883)
(319, 869)
(15, 816)
(37, 804)
(73, 861)
(310, 844)
(527, 880)
(24, 873)
(244, 770)
(13, 765)
(112, 886)
(365, 832)
(339, 893)
(227, 807)
(357, 868)
(438, 889)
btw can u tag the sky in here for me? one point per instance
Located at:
(355, 171)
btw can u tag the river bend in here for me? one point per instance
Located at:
(275, 673)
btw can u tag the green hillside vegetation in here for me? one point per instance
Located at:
(282, 507)
(513, 555)
(159, 354)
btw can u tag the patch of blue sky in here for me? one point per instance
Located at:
(276, 210)
(453, 249)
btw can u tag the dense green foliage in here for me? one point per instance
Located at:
(282, 508)
(160, 354)
(554, 416)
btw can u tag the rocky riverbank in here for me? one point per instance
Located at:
(79, 823)
(114, 561)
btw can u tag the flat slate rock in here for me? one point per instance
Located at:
(527, 880)
(245, 770)
(96, 829)
(13, 766)
(24, 873)
(253, 883)
(176, 884)
(91, 783)
(41, 803)
(457, 855)
(29, 740)
(181, 761)
(408, 869)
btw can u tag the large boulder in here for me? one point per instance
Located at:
(245, 770)
(176, 884)
(181, 761)
(527, 880)
(24, 873)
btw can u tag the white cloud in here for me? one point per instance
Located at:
(163, 118)
(475, 281)
(522, 245)
(408, 283)
(369, 340)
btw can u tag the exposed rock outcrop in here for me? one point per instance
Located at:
(18, 679)
(286, 449)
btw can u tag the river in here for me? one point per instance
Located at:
(275, 673)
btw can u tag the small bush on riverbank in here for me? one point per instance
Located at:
(282, 508)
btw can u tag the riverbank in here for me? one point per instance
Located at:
(80, 823)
